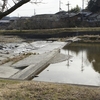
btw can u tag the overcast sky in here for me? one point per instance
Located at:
(47, 7)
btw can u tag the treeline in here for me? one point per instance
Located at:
(32, 23)
(94, 6)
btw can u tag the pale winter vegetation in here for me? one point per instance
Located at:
(30, 90)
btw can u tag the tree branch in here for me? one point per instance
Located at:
(13, 8)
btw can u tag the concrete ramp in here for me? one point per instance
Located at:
(32, 59)
(6, 72)
(32, 70)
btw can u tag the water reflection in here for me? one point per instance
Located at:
(68, 59)
(82, 68)
(78, 58)
(92, 51)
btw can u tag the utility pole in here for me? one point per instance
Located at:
(60, 5)
(68, 7)
(34, 12)
(68, 12)
(82, 11)
(82, 4)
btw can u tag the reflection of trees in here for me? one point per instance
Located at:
(93, 52)
(74, 47)
(94, 57)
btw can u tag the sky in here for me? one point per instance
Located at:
(46, 7)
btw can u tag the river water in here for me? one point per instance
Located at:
(82, 68)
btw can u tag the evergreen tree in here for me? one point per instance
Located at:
(94, 5)
(76, 9)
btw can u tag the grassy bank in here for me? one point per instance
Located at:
(51, 31)
(30, 90)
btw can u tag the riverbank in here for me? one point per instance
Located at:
(52, 33)
(31, 90)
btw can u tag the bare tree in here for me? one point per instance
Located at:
(6, 8)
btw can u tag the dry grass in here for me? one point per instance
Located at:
(50, 31)
(30, 90)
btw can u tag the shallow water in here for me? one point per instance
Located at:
(83, 68)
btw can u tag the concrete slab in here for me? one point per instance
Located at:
(6, 72)
(7, 63)
(33, 69)
(32, 59)
(49, 47)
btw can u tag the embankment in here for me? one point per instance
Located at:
(52, 33)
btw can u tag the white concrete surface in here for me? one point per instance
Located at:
(10, 50)
(33, 69)
(7, 71)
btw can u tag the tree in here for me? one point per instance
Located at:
(94, 5)
(5, 9)
(76, 9)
